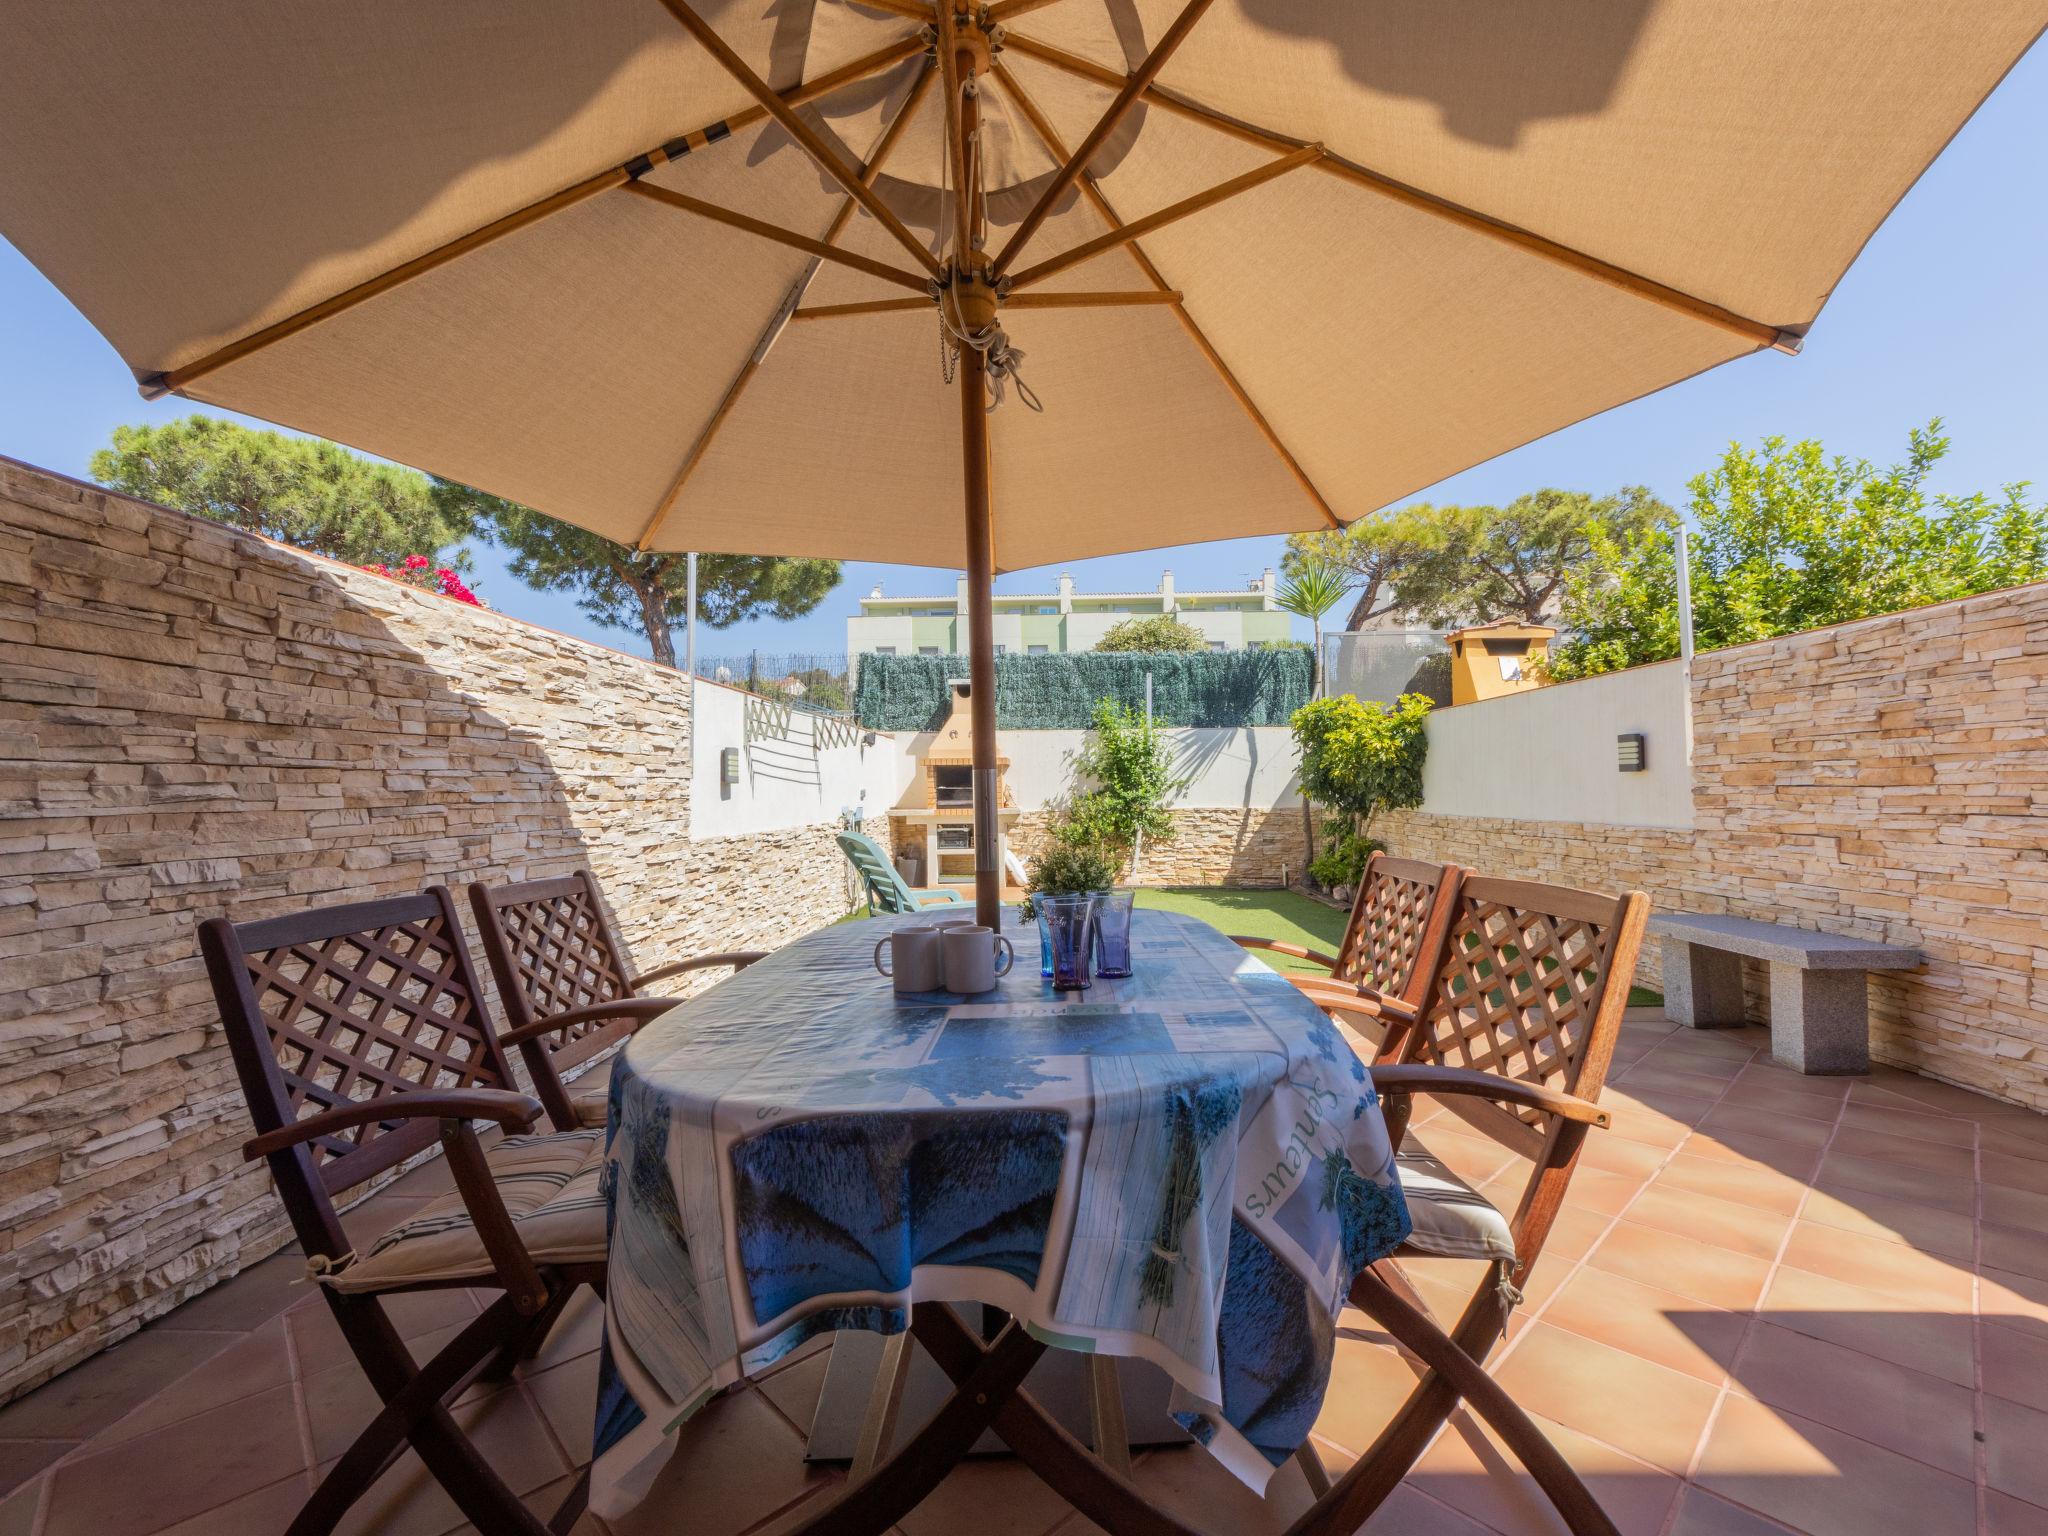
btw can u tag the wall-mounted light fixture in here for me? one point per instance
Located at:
(1629, 754)
(728, 771)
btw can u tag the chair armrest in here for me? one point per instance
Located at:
(1328, 992)
(514, 1111)
(638, 1008)
(937, 896)
(1409, 1079)
(1281, 947)
(738, 959)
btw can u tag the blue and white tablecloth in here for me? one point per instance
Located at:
(1186, 1167)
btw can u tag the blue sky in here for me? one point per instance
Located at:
(1946, 313)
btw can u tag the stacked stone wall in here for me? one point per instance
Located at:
(1212, 845)
(193, 721)
(1886, 780)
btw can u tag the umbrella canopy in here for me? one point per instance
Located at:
(701, 277)
(1525, 212)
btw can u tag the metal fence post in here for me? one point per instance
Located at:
(1685, 632)
(1138, 837)
(690, 620)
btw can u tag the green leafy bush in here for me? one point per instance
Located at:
(1788, 538)
(1069, 865)
(1360, 759)
(1123, 778)
(1344, 856)
(1161, 632)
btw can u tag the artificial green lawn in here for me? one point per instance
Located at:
(1271, 914)
(1287, 915)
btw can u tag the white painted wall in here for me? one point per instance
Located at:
(1251, 765)
(1545, 755)
(787, 779)
(1549, 754)
(888, 631)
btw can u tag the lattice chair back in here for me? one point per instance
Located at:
(345, 1004)
(1532, 986)
(1387, 941)
(553, 937)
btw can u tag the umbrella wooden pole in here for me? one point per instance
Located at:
(981, 635)
(967, 57)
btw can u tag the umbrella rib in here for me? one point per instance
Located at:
(173, 379)
(1124, 234)
(1757, 332)
(777, 233)
(1127, 96)
(798, 129)
(1042, 126)
(887, 142)
(1003, 10)
(1021, 301)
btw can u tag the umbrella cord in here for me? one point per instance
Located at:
(1004, 360)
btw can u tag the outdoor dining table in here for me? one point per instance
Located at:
(1187, 1166)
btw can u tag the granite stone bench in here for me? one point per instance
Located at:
(1820, 985)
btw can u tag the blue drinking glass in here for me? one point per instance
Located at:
(1044, 941)
(1070, 924)
(1113, 932)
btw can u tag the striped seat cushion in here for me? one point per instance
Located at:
(551, 1189)
(1451, 1219)
(591, 1104)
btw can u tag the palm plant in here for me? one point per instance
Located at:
(1312, 591)
(1315, 587)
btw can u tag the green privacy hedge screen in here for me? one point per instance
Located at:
(1058, 691)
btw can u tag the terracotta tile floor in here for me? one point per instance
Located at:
(1773, 1303)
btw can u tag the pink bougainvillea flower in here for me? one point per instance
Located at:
(417, 562)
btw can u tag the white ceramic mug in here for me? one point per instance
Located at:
(970, 962)
(916, 963)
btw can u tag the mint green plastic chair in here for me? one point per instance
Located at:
(887, 891)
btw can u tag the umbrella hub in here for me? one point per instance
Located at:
(968, 299)
(976, 40)
(972, 295)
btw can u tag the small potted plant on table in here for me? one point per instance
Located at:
(1067, 877)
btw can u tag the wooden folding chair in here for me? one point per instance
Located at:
(1393, 941)
(359, 1036)
(564, 985)
(1519, 1028)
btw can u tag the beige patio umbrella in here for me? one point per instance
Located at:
(701, 276)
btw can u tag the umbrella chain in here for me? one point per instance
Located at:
(1004, 360)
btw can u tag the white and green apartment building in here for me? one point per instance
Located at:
(1064, 620)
